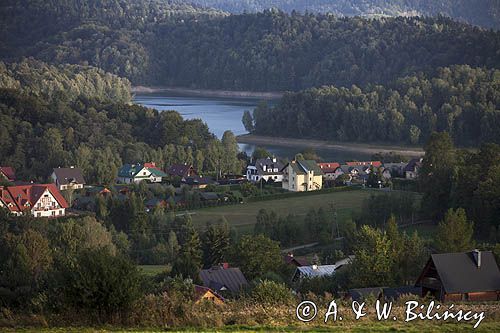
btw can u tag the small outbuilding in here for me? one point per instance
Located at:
(464, 276)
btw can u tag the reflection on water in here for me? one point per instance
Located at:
(221, 114)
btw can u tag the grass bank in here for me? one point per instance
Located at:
(318, 144)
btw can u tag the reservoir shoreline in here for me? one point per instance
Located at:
(206, 92)
(259, 140)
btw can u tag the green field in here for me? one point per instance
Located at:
(151, 270)
(243, 216)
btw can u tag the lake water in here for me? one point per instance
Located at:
(221, 114)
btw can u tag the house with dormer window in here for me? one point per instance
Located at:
(265, 169)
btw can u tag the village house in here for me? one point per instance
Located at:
(361, 294)
(412, 168)
(290, 259)
(465, 276)
(376, 164)
(224, 279)
(328, 169)
(396, 170)
(153, 203)
(198, 182)
(183, 171)
(265, 169)
(7, 173)
(39, 200)
(68, 178)
(312, 271)
(300, 176)
(135, 173)
(203, 294)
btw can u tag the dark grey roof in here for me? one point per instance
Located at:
(69, 175)
(153, 202)
(393, 294)
(209, 196)
(270, 164)
(413, 164)
(180, 170)
(362, 293)
(218, 277)
(459, 273)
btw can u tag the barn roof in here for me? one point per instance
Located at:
(218, 278)
(460, 272)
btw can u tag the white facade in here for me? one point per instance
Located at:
(47, 206)
(266, 169)
(143, 174)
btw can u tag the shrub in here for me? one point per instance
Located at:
(271, 293)
(102, 282)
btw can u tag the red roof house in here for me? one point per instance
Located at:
(376, 164)
(40, 200)
(8, 173)
(329, 167)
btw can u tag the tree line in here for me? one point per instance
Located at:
(66, 82)
(265, 51)
(483, 13)
(460, 100)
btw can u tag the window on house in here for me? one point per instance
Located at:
(53, 213)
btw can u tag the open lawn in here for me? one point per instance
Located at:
(243, 216)
(151, 270)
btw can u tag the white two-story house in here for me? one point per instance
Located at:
(266, 169)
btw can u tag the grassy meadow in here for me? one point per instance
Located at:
(243, 216)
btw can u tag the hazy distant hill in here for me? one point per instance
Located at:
(156, 42)
(484, 13)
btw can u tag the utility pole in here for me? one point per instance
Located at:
(335, 221)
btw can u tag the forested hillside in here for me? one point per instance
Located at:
(107, 34)
(162, 43)
(276, 51)
(460, 100)
(68, 82)
(484, 13)
(53, 116)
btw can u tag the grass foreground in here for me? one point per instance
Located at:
(355, 328)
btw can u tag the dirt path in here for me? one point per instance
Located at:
(303, 143)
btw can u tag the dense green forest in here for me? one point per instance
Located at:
(39, 79)
(276, 51)
(107, 34)
(461, 100)
(483, 13)
(51, 116)
(161, 43)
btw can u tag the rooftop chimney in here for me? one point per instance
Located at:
(477, 257)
